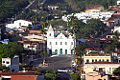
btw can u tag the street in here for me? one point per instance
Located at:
(55, 63)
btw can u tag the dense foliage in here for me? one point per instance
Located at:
(77, 5)
(11, 49)
(82, 4)
(51, 75)
(74, 77)
(117, 71)
(93, 27)
(9, 8)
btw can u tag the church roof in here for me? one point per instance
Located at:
(50, 28)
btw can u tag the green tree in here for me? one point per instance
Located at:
(116, 72)
(74, 77)
(38, 71)
(80, 49)
(51, 75)
(10, 49)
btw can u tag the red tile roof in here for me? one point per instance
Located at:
(94, 6)
(101, 62)
(17, 73)
(23, 77)
(34, 32)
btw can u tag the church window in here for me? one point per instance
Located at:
(50, 51)
(50, 43)
(60, 43)
(65, 43)
(65, 51)
(50, 34)
(71, 43)
(55, 43)
(56, 51)
(61, 51)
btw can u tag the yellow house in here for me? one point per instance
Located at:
(107, 67)
(95, 57)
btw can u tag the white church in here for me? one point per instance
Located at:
(60, 44)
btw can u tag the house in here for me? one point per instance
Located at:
(21, 76)
(116, 29)
(90, 50)
(97, 76)
(60, 44)
(114, 20)
(118, 2)
(30, 34)
(95, 57)
(12, 63)
(18, 25)
(34, 44)
(92, 8)
(107, 67)
(95, 14)
(116, 56)
(52, 7)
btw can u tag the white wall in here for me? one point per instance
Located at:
(6, 62)
(61, 38)
(17, 25)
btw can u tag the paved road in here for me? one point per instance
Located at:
(58, 62)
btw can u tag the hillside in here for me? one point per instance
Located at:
(78, 5)
(9, 8)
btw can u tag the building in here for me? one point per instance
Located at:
(34, 40)
(118, 2)
(21, 76)
(90, 50)
(92, 8)
(34, 44)
(18, 25)
(97, 76)
(95, 57)
(114, 20)
(30, 34)
(52, 7)
(59, 43)
(12, 63)
(95, 14)
(116, 29)
(107, 67)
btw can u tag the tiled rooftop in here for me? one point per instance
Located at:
(23, 77)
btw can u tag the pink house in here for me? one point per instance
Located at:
(96, 76)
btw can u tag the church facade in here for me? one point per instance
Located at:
(60, 44)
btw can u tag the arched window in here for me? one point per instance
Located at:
(95, 60)
(65, 51)
(56, 51)
(72, 52)
(100, 60)
(92, 60)
(61, 51)
(50, 51)
(50, 34)
(103, 60)
(87, 61)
